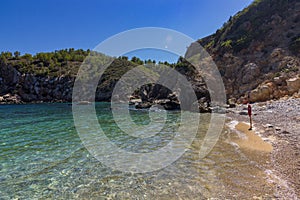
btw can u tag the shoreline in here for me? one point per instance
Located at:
(276, 123)
(248, 140)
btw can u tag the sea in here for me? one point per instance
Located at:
(42, 156)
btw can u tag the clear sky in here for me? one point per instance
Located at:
(46, 25)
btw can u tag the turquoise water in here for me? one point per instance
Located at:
(42, 157)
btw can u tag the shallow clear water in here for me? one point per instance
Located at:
(42, 157)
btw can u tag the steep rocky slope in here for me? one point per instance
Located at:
(257, 51)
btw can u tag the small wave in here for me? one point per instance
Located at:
(232, 126)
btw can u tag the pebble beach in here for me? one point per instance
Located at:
(276, 123)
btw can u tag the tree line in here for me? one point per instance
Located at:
(63, 62)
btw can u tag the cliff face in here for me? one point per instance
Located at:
(49, 77)
(257, 51)
(16, 87)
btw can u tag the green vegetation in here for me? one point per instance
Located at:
(67, 62)
(62, 62)
(210, 44)
(241, 29)
(255, 3)
(137, 60)
(227, 44)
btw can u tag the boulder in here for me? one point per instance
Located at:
(172, 96)
(279, 93)
(143, 105)
(232, 102)
(9, 98)
(204, 108)
(293, 85)
(262, 93)
(6, 96)
(277, 55)
(134, 101)
(279, 81)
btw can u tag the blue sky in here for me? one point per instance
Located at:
(46, 25)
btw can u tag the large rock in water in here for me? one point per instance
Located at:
(152, 92)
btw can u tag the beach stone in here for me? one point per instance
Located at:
(243, 113)
(232, 102)
(297, 94)
(269, 126)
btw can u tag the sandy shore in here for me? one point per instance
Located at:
(277, 133)
(251, 141)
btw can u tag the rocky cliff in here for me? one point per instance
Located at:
(16, 87)
(49, 77)
(20, 86)
(257, 51)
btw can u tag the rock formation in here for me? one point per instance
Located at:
(258, 44)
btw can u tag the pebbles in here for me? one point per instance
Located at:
(281, 120)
